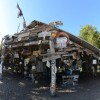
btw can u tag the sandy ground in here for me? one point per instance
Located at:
(17, 88)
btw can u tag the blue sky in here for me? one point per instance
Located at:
(73, 13)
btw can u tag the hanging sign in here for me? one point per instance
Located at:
(94, 61)
(61, 42)
(51, 58)
(47, 34)
(23, 35)
(44, 34)
(63, 34)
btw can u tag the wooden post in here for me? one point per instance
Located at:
(53, 69)
(2, 58)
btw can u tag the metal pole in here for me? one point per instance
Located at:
(18, 27)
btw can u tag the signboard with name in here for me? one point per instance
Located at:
(22, 36)
(94, 61)
(47, 34)
(43, 34)
(61, 42)
(51, 58)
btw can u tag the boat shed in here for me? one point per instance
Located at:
(32, 45)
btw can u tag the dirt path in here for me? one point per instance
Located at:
(17, 88)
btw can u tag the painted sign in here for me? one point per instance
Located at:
(22, 35)
(43, 34)
(61, 42)
(46, 33)
(51, 58)
(63, 34)
(94, 61)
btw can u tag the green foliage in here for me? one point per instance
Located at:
(91, 35)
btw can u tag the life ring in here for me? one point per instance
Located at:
(62, 34)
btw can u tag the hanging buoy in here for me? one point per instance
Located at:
(63, 34)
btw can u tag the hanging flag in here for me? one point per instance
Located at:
(20, 11)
